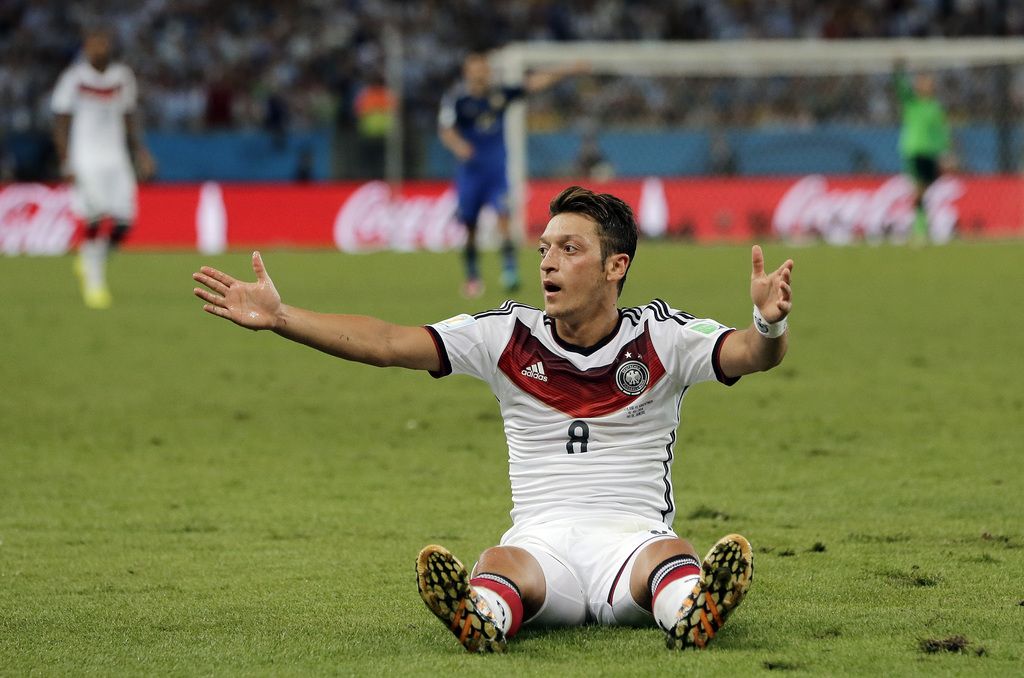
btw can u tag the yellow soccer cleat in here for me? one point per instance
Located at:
(97, 297)
(724, 579)
(444, 586)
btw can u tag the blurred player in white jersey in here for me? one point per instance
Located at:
(590, 395)
(97, 133)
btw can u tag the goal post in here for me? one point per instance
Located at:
(750, 59)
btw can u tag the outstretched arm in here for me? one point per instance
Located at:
(145, 165)
(542, 80)
(257, 306)
(901, 82)
(746, 351)
(61, 130)
(456, 143)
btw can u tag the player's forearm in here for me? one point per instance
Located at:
(358, 338)
(901, 82)
(766, 353)
(455, 142)
(542, 80)
(752, 352)
(134, 132)
(61, 128)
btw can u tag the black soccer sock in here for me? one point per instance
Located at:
(508, 255)
(119, 233)
(470, 253)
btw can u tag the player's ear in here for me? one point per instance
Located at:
(615, 266)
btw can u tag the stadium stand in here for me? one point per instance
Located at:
(298, 67)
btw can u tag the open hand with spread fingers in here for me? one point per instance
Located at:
(253, 305)
(771, 292)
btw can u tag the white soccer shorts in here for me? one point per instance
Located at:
(587, 564)
(105, 190)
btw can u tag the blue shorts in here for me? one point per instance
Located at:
(476, 190)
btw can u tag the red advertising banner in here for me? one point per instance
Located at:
(37, 219)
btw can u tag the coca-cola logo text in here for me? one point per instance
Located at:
(35, 219)
(839, 216)
(375, 218)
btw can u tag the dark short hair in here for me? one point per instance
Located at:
(97, 27)
(477, 53)
(616, 225)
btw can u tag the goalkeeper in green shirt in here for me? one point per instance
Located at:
(924, 139)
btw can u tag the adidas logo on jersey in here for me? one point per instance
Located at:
(535, 371)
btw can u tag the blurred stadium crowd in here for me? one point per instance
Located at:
(277, 65)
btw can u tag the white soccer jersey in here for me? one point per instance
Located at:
(590, 431)
(97, 103)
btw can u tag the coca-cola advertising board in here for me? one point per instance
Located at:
(37, 219)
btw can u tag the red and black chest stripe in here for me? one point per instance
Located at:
(99, 92)
(581, 394)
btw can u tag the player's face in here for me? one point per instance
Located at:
(572, 272)
(97, 48)
(925, 85)
(477, 72)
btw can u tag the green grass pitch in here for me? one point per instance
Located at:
(179, 496)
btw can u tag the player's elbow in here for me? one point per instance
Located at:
(387, 352)
(378, 359)
(382, 354)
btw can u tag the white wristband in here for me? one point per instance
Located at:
(767, 329)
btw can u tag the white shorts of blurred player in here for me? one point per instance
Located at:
(587, 563)
(105, 190)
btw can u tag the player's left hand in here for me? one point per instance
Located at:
(145, 165)
(770, 292)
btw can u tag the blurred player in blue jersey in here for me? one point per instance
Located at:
(472, 126)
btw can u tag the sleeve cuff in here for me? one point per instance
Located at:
(716, 360)
(442, 354)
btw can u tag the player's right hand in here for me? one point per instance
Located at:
(464, 151)
(255, 305)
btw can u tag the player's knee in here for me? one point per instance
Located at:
(519, 566)
(658, 551)
(649, 558)
(504, 225)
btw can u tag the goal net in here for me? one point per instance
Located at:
(812, 126)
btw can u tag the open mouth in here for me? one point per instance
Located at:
(551, 287)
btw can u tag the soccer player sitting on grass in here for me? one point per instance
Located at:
(590, 395)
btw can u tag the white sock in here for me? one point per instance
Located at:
(666, 604)
(499, 608)
(94, 259)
